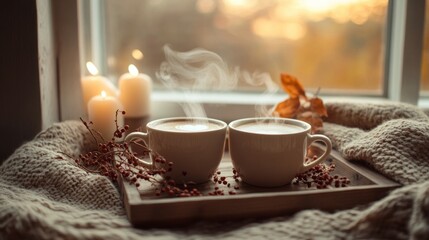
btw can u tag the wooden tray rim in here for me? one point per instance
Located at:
(380, 182)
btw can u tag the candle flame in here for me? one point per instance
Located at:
(92, 68)
(133, 70)
(103, 94)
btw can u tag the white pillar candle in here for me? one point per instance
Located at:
(134, 92)
(102, 113)
(92, 85)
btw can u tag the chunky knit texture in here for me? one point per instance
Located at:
(45, 196)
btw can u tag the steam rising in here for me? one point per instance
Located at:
(199, 70)
(261, 79)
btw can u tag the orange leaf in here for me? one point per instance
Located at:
(292, 86)
(288, 107)
(317, 106)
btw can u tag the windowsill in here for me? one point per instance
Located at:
(217, 98)
(233, 105)
(423, 103)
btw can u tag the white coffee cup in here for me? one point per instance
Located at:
(195, 146)
(270, 152)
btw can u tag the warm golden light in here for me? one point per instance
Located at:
(92, 68)
(240, 8)
(341, 16)
(103, 94)
(325, 5)
(317, 6)
(273, 29)
(294, 31)
(133, 70)
(237, 2)
(359, 19)
(264, 28)
(137, 54)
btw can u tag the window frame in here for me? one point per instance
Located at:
(402, 68)
(405, 47)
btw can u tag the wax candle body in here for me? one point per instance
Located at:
(135, 91)
(102, 112)
(93, 85)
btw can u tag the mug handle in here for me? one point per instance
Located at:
(314, 138)
(145, 138)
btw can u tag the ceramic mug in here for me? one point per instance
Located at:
(195, 146)
(270, 152)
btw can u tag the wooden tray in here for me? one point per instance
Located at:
(145, 209)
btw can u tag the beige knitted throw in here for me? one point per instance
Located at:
(45, 197)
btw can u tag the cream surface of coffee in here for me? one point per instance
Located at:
(187, 126)
(270, 128)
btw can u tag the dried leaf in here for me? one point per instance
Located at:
(292, 86)
(310, 110)
(288, 108)
(318, 107)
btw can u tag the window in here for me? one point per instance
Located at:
(335, 45)
(348, 48)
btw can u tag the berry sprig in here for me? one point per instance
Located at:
(113, 159)
(320, 176)
(220, 180)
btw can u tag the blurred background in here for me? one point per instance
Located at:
(337, 45)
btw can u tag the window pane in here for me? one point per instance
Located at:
(332, 44)
(425, 55)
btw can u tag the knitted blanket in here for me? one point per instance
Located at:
(44, 196)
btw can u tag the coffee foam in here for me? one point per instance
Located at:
(270, 128)
(187, 126)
